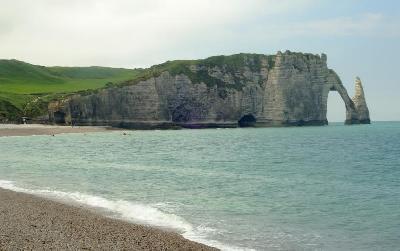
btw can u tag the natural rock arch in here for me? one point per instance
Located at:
(356, 109)
(288, 89)
(349, 104)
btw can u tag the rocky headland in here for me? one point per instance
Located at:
(286, 89)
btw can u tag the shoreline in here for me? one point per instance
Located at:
(32, 222)
(7, 130)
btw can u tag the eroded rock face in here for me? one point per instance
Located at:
(360, 103)
(259, 90)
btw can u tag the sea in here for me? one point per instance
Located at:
(331, 187)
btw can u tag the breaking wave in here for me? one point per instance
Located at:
(129, 211)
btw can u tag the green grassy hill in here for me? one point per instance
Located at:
(25, 89)
(23, 78)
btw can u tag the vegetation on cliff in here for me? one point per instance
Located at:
(26, 89)
(198, 70)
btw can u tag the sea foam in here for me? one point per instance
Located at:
(129, 211)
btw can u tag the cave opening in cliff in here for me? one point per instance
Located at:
(59, 117)
(247, 121)
(336, 108)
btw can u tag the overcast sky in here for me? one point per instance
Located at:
(361, 37)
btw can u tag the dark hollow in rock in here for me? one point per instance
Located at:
(247, 121)
(59, 117)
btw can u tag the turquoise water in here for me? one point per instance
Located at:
(310, 188)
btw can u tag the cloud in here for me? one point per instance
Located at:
(343, 26)
(124, 32)
(137, 33)
(368, 24)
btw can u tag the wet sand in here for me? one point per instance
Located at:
(35, 129)
(28, 222)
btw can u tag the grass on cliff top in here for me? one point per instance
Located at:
(229, 63)
(232, 64)
(25, 89)
(23, 78)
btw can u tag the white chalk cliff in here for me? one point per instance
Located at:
(224, 91)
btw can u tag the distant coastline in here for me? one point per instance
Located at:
(239, 90)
